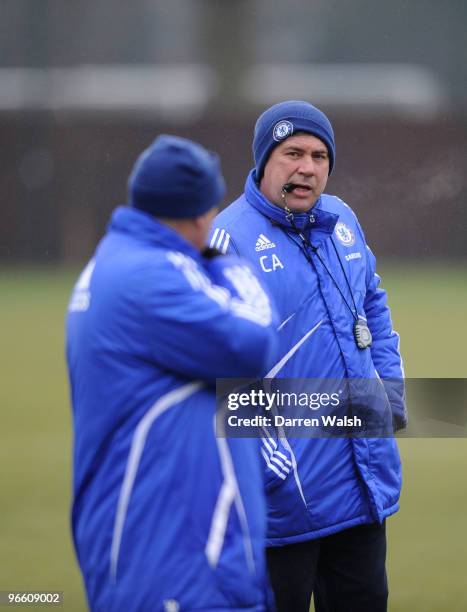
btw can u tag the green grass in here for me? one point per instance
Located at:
(428, 305)
(36, 551)
(427, 556)
(427, 552)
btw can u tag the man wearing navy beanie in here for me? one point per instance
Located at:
(327, 498)
(176, 178)
(166, 516)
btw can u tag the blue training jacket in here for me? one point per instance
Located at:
(316, 487)
(166, 516)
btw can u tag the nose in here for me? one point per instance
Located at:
(307, 165)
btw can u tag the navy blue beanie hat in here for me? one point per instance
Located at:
(176, 178)
(284, 119)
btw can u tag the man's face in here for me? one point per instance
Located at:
(303, 160)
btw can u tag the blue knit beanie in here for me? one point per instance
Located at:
(176, 178)
(284, 119)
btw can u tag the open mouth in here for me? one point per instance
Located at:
(300, 189)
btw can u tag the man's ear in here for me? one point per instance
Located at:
(198, 221)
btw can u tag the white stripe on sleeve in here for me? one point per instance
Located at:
(272, 467)
(214, 236)
(219, 240)
(223, 247)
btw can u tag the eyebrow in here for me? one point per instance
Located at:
(302, 150)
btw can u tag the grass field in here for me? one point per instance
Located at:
(427, 558)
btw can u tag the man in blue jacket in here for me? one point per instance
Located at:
(327, 498)
(166, 516)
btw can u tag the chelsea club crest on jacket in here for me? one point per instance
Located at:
(316, 487)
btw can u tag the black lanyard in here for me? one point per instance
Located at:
(306, 244)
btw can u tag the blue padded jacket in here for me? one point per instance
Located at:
(317, 487)
(166, 516)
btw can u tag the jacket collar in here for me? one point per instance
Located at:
(316, 219)
(144, 227)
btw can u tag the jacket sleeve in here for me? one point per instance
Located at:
(277, 461)
(385, 346)
(209, 322)
(221, 240)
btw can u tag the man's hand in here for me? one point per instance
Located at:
(210, 253)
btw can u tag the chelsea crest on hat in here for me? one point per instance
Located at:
(284, 119)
